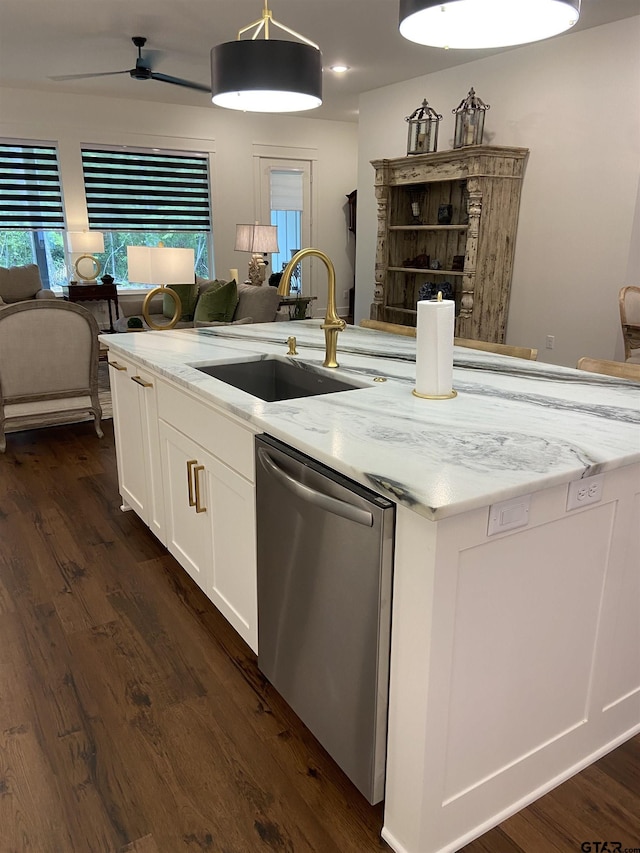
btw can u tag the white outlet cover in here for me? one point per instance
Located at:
(507, 515)
(584, 492)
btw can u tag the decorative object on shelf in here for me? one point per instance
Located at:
(472, 24)
(435, 265)
(162, 266)
(107, 279)
(457, 264)
(417, 198)
(85, 244)
(445, 214)
(266, 75)
(430, 290)
(423, 130)
(434, 349)
(469, 120)
(420, 262)
(259, 240)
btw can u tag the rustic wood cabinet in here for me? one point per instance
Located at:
(448, 219)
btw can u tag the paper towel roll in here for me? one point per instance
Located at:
(434, 348)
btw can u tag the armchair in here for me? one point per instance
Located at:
(629, 302)
(48, 365)
(20, 283)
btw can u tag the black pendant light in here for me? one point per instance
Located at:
(266, 75)
(472, 24)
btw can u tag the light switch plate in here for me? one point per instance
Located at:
(507, 515)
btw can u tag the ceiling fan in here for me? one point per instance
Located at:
(142, 71)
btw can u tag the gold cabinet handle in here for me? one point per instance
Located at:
(190, 465)
(141, 381)
(116, 365)
(196, 471)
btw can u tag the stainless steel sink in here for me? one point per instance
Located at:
(274, 379)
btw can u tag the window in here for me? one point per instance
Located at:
(31, 210)
(141, 198)
(285, 203)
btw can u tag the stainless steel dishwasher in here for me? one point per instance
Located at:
(325, 554)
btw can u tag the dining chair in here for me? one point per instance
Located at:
(485, 346)
(48, 365)
(621, 369)
(629, 304)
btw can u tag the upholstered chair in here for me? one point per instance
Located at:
(48, 365)
(629, 302)
(20, 283)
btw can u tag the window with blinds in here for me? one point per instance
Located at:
(30, 191)
(146, 191)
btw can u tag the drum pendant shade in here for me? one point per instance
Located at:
(473, 24)
(266, 75)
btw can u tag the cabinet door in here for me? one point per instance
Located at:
(210, 513)
(189, 532)
(137, 446)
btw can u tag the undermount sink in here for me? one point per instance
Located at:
(273, 379)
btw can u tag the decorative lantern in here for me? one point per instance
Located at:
(469, 120)
(423, 130)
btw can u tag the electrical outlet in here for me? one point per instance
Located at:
(551, 342)
(585, 492)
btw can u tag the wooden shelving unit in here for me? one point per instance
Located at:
(482, 184)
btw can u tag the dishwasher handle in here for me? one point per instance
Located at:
(306, 493)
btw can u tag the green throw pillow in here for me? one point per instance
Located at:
(188, 294)
(218, 303)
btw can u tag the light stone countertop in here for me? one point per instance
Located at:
(515, 427)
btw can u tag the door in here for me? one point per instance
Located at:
(136, 433)
(211, 528)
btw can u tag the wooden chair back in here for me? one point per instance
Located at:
(629, 304)
(621, 369)
(485, 346)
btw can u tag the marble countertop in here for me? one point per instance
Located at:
(515, 427)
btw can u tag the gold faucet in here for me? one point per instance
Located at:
(332, 323)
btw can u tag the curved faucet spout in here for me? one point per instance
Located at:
(332, 323)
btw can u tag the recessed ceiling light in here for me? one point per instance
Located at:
(339, 69)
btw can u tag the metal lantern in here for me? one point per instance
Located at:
(469, 120)
(423, 130)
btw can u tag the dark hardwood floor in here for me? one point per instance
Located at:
(133, 718)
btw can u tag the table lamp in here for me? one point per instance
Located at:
(160, 265)
(85, 244)
(259, 240)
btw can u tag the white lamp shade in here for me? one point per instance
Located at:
(256, 238)
(472, 24)
(160, 265)
(85, 242)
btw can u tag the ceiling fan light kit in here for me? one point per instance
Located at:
(266, 75)
(474, 24)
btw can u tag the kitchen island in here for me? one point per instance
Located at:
(515, 657)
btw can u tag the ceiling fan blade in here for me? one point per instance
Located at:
(84, 76)
(188, 84)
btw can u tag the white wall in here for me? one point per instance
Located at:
(233, 138)
(573, 101)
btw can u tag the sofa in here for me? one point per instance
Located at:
(17, 284)
(244, 303)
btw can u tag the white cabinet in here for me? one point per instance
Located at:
(209, 506)
(135, 417)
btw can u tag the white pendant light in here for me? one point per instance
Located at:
(473, 24)
(266, 75)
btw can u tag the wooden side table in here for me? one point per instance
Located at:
(297, 305)
(94, 292)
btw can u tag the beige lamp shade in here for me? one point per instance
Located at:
(85, 242)
(160, 265)
(256, 238)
